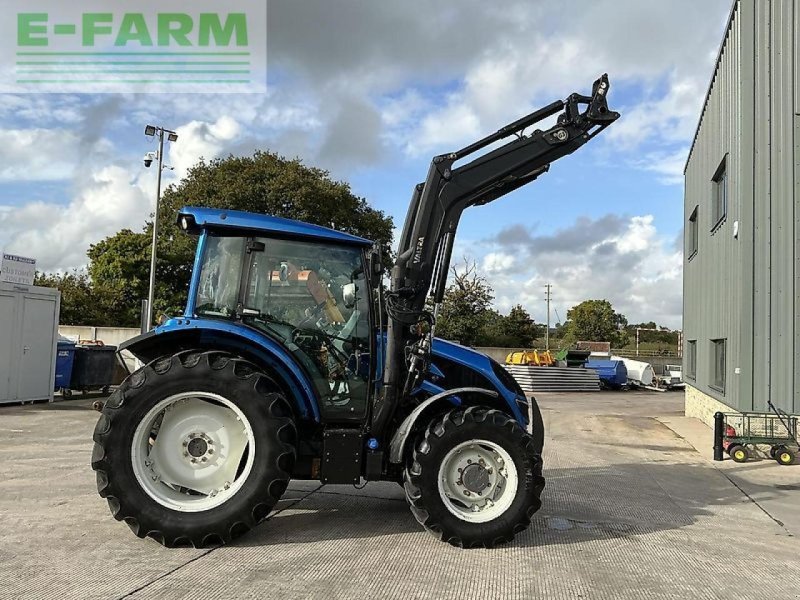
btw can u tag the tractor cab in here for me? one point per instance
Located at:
(309, 292)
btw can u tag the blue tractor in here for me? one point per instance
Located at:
(293, 360)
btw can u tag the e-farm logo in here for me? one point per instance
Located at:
(140, 51)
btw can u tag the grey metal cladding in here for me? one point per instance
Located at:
(747, 288)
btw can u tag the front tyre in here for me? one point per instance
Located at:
(194, 449)
(475, 479)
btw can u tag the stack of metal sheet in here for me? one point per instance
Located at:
(555, 379)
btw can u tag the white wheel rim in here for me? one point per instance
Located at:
(193, 451)
(478, 481)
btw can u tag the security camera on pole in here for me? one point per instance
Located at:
(150, 131)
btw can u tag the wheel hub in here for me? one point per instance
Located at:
(197, 447)
(189, 453)
(475, 478)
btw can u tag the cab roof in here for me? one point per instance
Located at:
(237, 221)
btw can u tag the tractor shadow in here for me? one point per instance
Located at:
(580, 504)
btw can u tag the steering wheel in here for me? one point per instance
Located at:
(313, 315)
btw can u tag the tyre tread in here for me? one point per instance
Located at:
(275, 405)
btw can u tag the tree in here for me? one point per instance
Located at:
(81, 302)
(263, 183)
(465, 306)
(596, 321)
(519, 327)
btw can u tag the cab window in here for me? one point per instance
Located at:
(313, 298)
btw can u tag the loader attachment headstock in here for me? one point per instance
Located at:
(426, 242)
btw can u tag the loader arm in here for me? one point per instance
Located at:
(426, 243)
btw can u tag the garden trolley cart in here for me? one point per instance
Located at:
(776, 429)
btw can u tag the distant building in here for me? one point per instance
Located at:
(741, 286)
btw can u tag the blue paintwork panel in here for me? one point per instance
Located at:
(471, 359)
(273, 353)
(218, 220)
(196, 271)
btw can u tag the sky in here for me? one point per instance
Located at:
(371, 91)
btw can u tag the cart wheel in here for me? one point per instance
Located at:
(104, 389)
(785, 456)
(773, 451)
(66, 392)
(739, 453)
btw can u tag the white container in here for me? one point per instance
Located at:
(639, 372)
(28, 338)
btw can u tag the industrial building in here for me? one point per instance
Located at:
(742, 221)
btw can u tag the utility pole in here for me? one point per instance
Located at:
(152, 130)
(548, 294)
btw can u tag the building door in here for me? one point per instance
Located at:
(36, 353)
(8, 343)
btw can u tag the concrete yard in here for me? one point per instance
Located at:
(631, 510)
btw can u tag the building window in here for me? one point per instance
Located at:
(691, 359)
(691, 235)
(718, 365)
(719, 206)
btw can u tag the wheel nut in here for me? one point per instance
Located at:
(460, 469)
(211, 451)
(186, 454)
(204, 459)
(466, 492)
(469, 461)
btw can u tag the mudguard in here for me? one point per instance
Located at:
(184, 333)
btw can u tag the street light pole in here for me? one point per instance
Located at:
(151, 293)
(172, 136)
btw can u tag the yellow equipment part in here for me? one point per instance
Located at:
(530, 357)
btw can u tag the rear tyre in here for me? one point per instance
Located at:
(475, 479)
(194, 449)
(785, 456)
(739, 453)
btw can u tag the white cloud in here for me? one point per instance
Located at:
(110, 199)
(38, 154)
(496, 262)
(199, 139)
(668, 166)
(625, 261)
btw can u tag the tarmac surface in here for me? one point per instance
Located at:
(631, 510)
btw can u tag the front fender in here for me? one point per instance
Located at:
(208, 334)
(400, 436)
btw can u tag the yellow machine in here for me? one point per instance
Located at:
(530, 357)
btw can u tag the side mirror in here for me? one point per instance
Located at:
(375, 264)
(349, 294)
